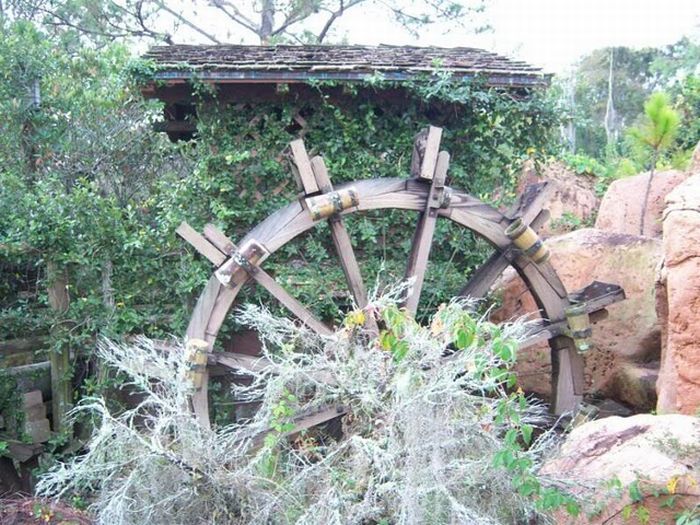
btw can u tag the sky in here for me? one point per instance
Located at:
(551, 34)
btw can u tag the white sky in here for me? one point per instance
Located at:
(552, 34)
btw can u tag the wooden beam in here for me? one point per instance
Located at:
(218, 239)
(61, 376)
(299, 310)
(301, 160)
(341, 239)
(423, 238)
(271, 285)
(201, 244)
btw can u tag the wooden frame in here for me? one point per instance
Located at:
(464, 210)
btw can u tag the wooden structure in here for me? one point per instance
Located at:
(248, 74)
(426, 194)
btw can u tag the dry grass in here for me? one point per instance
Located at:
(417, 445)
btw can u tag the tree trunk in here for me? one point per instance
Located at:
(267, 21)
(654, 160)
(107, 290)
(61, 384)
(610, 117)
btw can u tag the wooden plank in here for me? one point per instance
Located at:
(301, 159)
(299, 310)
(305, 422)
(61, 371)
(425, 153)
(242, 361)
(341, 239)
(430, 157)
(423, 237)
(199, 243)
(218, 239)
(24, 344)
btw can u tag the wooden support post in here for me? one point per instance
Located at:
(303, 166)
(423, 238)
(425, 153)
(61, 378)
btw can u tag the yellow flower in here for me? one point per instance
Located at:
(672, 484)
(355, 318)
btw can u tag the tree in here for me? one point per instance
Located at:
(655, 134)
(268, 21)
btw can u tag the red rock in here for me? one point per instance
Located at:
(630, 334)
(621, 208)
(572, 201)
(679, 301)
(653, 454)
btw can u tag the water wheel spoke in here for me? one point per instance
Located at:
(299, 310)
(341, 238)
(423, 237)
(305, 421)
(215, 240)
(485, 276)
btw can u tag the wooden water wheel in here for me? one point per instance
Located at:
(565, 317)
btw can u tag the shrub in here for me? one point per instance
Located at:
(432, 433)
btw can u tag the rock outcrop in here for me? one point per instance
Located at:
(617, 463)
(622, 206)
(626, 343)
(678, 301)
(572, 201)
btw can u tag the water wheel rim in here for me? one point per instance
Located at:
(465, 210)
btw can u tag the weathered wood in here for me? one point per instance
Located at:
(483, 277)
(303, 165)
(341, 240)
(242, 361)
(305, 422)
(425, 153)
(218, 239)
(423, 237)
(289, 302)
(200, 244)
(61, 377)
(25, 344)
(430, 157)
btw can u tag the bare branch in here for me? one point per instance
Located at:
(187, 22)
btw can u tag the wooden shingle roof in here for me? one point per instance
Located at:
(241, 64)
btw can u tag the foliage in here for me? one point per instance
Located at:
(432, 431)
(660, 128)
(268, 21)
(88, 186)
(636, 75)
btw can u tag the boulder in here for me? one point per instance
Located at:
(639, 469)
(630, 333)
(572, 201)
(694, 166)
(621, 208)
(679, 301)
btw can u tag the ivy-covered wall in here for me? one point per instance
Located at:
(363, 133)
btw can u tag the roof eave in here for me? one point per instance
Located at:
(492, 78)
